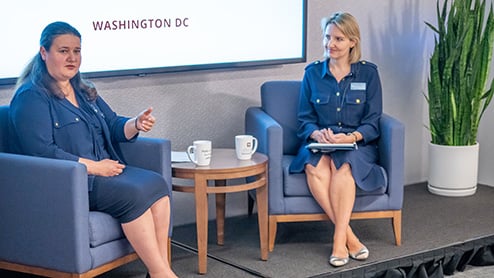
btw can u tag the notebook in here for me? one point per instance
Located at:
(328, 147)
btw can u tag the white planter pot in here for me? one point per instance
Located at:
(453, 170)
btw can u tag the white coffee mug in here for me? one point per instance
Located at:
(245, 146)
(200, 152)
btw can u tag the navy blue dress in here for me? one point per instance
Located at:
(353, 104)
(44, 125)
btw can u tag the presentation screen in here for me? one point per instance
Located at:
(123, 37)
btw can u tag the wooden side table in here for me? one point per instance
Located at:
(224, 166)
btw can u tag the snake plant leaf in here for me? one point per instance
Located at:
(459, 68)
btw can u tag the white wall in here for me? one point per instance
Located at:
(211, 104)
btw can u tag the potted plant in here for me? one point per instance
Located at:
(458, 94)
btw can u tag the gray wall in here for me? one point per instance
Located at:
(211, 104)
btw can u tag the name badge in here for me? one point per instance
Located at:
(357, 86)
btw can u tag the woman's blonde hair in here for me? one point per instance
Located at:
(349, 27)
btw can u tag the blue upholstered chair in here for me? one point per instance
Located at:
(275, 124)
(47, 228)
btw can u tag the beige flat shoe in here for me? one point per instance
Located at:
(337, 262)
(361, 255)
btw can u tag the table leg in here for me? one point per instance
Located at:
(220, 213)
(201, 221)
(262, 212)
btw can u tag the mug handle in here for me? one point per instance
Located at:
(189, 153)
(254, 145)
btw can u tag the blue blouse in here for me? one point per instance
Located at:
(43, 125)
(353, 104)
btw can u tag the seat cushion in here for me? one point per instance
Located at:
(296, 184)
(103, 228)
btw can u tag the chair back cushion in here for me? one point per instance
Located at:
(4, 128)
(280, 100)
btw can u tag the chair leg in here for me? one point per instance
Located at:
(397, 227)
(272, 227)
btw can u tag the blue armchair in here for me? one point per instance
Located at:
(47, 228)
(275, 124)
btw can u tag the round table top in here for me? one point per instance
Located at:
(223, 159)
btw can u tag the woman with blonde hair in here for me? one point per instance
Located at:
(340, 102)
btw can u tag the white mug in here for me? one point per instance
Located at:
(200, 152)
(245, 146)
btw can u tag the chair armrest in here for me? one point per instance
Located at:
(392, 157)
(269, 135)
(149, 153)
(152, 154)
(44, 209)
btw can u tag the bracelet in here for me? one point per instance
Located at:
(354, 136)
(135, 125)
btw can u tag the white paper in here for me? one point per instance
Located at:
(180, 157)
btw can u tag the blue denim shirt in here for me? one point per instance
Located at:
(354, 104)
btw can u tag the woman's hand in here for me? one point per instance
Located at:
(145, 121)
(326, 135)
(320, 136)
(104, 168)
